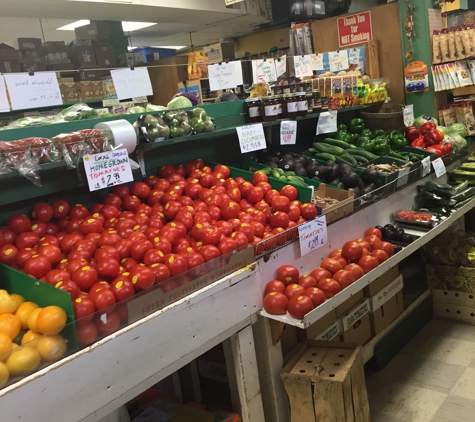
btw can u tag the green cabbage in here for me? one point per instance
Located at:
(456, 141)
(419, 121)
(179, 102)
(458, 129)
(135, 110)
(443, 129)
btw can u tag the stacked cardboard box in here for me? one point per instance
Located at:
(8, 59)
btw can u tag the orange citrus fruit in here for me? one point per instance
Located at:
(10, 325)
(7, 304)
(24, 311)
(18, 299)
(31, 320)
(5, 345)
(23, 360)
(51, 347)
(4, 374)
(5, 356)
(51, 320)
(29, 338)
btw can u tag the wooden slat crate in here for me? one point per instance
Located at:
(344, 207)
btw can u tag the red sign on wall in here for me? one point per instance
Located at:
(355, 29)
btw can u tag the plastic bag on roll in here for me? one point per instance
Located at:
(120, 133)
(179, 123)
(153, 127)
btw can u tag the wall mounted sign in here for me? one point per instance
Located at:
(355, 29)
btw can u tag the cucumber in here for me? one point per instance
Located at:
(362, 153)
(462, 186)
(324, 156)
(275, 173)
(346, 159)
(338, 143)
(330, 149)
(465, 194)
(289, 173)
(464, 202)
(296, 181)
(359, 159)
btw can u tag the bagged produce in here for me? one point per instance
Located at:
(200, 122)
(153, 127)
(28, 122)
(455, 248)
(178, 122)
(76, 112)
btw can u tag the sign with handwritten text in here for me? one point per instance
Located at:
(313, 235)
(132, 83)
(31, 91)
(107, 169)
(281, 65)
(317, 61)
(225, 75)
(4, 105)
(251, 138)
(303, 66)
(288, 132)
(264, 71)
(338, 60)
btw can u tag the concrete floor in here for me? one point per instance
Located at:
(431, 380)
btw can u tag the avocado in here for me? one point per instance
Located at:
(345, 169)
(286, 164)
(350, 180)
(369, 176)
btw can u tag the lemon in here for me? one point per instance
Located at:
(23, 360)
(51, 347)
(5, 345)
(4, 374)
(7, 304)
(18, 299)
(30, 338)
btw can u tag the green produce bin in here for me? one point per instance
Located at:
(384, 160)
(43, 294)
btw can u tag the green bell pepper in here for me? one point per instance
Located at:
(342, 127)
(354, 138)
(379, 132)
(368, 133)
(366, 143)
(356, 125)
(381, 147)
(345, 137)
(397, 140)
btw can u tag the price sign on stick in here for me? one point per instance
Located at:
(107, 169)
(288, 132)
(251, 138)
(439, 167)
(313, 235)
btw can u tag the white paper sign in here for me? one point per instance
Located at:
(288, 132)
(107, 169)
(264, 71)
(338, 60)
(403, 177)
(251, 138)
(439, 167)
(132, 83)
(38, 90)
(408, 114)
(4, 105)
(225, 75)
(425, 166)
(313, 235)
(281, 66)
(317, 61)
(303, 66)
(354, 56)
(327, 122)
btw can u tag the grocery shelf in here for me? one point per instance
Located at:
(64, 105)
(142, 353)
(353, 227)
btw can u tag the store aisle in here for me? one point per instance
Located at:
(431, 380)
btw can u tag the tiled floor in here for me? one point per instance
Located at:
(431, 380)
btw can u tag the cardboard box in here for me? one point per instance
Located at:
(105, 56)
(282, 38)
(58, 67)
(66, 80)
(7, 53)
(321, 326)
(130, 59)
(29, 43)
(28, 56)
(55, 44)
(349, 304)
(94, 31)
(91, 75)
(33, 67)
(10, 66)
(83, 56)
(213, 370)
(356, 325)
(90, 90)
(69, 92)
(152, 57)
(108, 89)
(381, 282)
(448, 277)
(219, 52)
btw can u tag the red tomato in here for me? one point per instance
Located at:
(8, 235)
(84, 277)
(141, 277)
(121, 191)
(194, 259)
(108, 268)
(8, 253)
(107, 251)
(293, 290)
(108, 322)
(275, 303)
(290, 192)
(279, 219)
(51, 253)
(335, 254)
(60, 208)
(38, 227)
(380, 255)
(248, 230)
(352, 251)
(329, 286)
(294, 213)
(280, 203)
(19, 223)
(78, 211)
(83, 310)
(139, 248)
(258, 177)
(224, 170)
(166, 170)
(230, 210)
(372, 231)
(332, 265)
(131, 202)
(140, 189)
(240, 238)
(51, 228)
(254, 194)
(275, 286)
(368, 263)
(26, 240)
(374, 241)
(307, 281)
(209, 252)
(68, 286)
(122, 289)
(37, 266)
(23, 255)
(101, 285)
(162, 244)
(210, 235)
(270, 195)
(161, 272)
(54, 276)
(288, 274)
(308, 211)
(364, 243)
(356, 270)
(258, 228)
(42, 211)
(102, 299)
(176, 264)
(316, 295)
(226, 245)
(344, 278)
(170, 233)
(387, 247)
(299, 306)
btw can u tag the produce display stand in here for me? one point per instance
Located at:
(96, 380)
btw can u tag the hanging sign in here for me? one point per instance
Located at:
(224, 75)
(251, 138)
(327, 122)
(408, 114)
(264, 71)
(281, 65)
(108, 169)
(313, 235)
(317, 61)
(303, 66)
(288, 132)
(132, 83)
(338, 60)
(416, 76)
(355, 29)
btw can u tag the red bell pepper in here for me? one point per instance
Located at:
(426, 127)
(446, 148)
(412, 133)
(435, 150)
(432, 137)
(418, 142)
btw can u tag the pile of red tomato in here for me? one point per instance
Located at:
(298, 295)
(147, 233)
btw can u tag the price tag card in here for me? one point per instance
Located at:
(408, 114)
(107, 169)
(139, 100)
(132, 83)
(225, 75)
(425, 166)
(354, 56)
(313, 235)
(288, 132)
(403, 177)
(338, 60)
(264, 71)
(251, 138)
(4, 105)
(327, 122)
(439, 167)
(317, 61)
(281, 66)
(303, 66)
(31, 91)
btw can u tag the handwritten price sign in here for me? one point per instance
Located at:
(225, 75)
(288, 132)
(313, 235)
(303, 66)
(251, 138)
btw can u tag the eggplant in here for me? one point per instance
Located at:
(390, 235)
(407, 239)
(400, 234)
(312, 169)
(325, 172)
(318, 179)
(380, 228)
(340, 185)
(356, 192)
(335, 172)
(330, 163)
(390, 227)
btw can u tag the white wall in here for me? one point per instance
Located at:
(357, 5)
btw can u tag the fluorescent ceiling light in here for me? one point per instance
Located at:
(74, 25)
(170, 47)
(134, 26)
